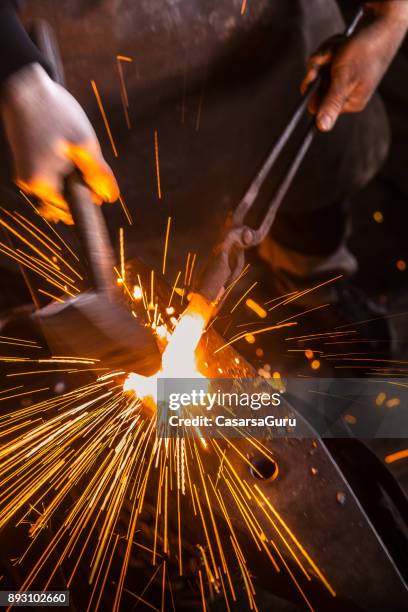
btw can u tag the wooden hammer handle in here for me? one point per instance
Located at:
(93, 234)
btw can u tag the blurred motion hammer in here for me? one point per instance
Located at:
(95, 324)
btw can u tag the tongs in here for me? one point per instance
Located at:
(227, 258)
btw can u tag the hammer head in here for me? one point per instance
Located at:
(95, 326)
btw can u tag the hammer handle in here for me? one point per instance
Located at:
(93, 233)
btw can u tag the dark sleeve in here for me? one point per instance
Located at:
(16, 47)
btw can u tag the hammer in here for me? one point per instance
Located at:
(95, 324)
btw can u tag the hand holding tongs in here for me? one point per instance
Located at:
(228, 256)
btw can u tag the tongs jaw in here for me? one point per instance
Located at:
(226, 261)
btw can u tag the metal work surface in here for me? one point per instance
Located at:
(306, 539)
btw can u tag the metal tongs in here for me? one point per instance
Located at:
(227, 259)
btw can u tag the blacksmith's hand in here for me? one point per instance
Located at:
(356, 65)
(50, 136)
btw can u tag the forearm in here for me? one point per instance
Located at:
(393, 9)
(386, 29)
(357, 64)
(390, 16)
(16, 48)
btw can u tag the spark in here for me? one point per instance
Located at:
(380, 399)
(12, 389)
(256, 308)
(320, 335)
(300, 294)
(125, 210)
(186, 268)
(258, 331)
(300, 314)
(137, 292)
(166, 244)
(202, 591)
(243, 296)
(37, 230)
(156, 153)
(25, 261)
(33, 231)
(49, 225)
(53, 297)
(296, 541)
(403, 454)
(122, 254)
(193, 261)
(280, 297)
(123, 91)
(236, 281)
(151, 303)
(18, 341)
(104, 117)
(390, 316)
(174, 289)
(28, 243)
(8, 397)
